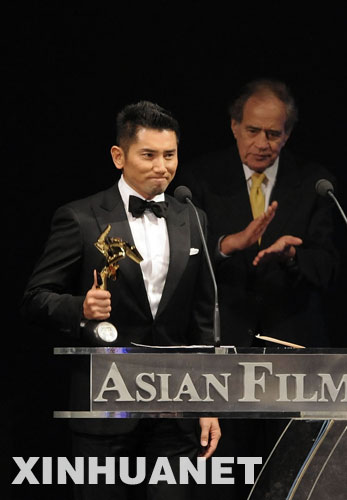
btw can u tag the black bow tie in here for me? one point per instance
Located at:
(137, 206)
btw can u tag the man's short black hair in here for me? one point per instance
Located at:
(264, 87)
(143, 114)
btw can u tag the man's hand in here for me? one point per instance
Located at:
(251, 234)
(97, 304)
(282, 249)
(210, 435)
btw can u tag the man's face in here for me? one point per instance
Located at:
(260, 135)
(150, 163)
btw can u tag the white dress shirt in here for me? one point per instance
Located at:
(152, 241)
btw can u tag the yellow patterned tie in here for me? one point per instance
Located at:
(256, 195)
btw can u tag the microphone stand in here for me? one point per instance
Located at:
(331, 194)
(216, 316)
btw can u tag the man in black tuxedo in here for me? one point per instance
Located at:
(272, 265)
(166, 300)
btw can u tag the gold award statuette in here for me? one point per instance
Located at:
(113, 249)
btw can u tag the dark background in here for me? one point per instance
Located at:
(66, 72)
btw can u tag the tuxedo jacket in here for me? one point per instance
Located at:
(63, 275)
(272, 299)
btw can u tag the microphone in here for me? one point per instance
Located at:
(325, 188)
(184, 195)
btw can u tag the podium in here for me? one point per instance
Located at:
(306, 387)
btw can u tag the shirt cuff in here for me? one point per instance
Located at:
(219, 251)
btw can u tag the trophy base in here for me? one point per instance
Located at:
(106, 331)
(100, 332)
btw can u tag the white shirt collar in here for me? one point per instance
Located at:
(126, 191)
(270, 172)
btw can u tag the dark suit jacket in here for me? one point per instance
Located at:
(270, 299)
(57, 287)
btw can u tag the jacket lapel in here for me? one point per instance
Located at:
(179, 239)
(111, 211)
(286, 192)
(233, 194)
(238, 198)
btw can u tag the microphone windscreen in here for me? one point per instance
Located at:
(182, 193)
(323, 186)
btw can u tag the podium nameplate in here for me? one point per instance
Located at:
(186, 384)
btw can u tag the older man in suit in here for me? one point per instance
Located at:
(164, 301)
(271, 235)
(274, 233)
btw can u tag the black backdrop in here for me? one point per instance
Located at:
(67, 70)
